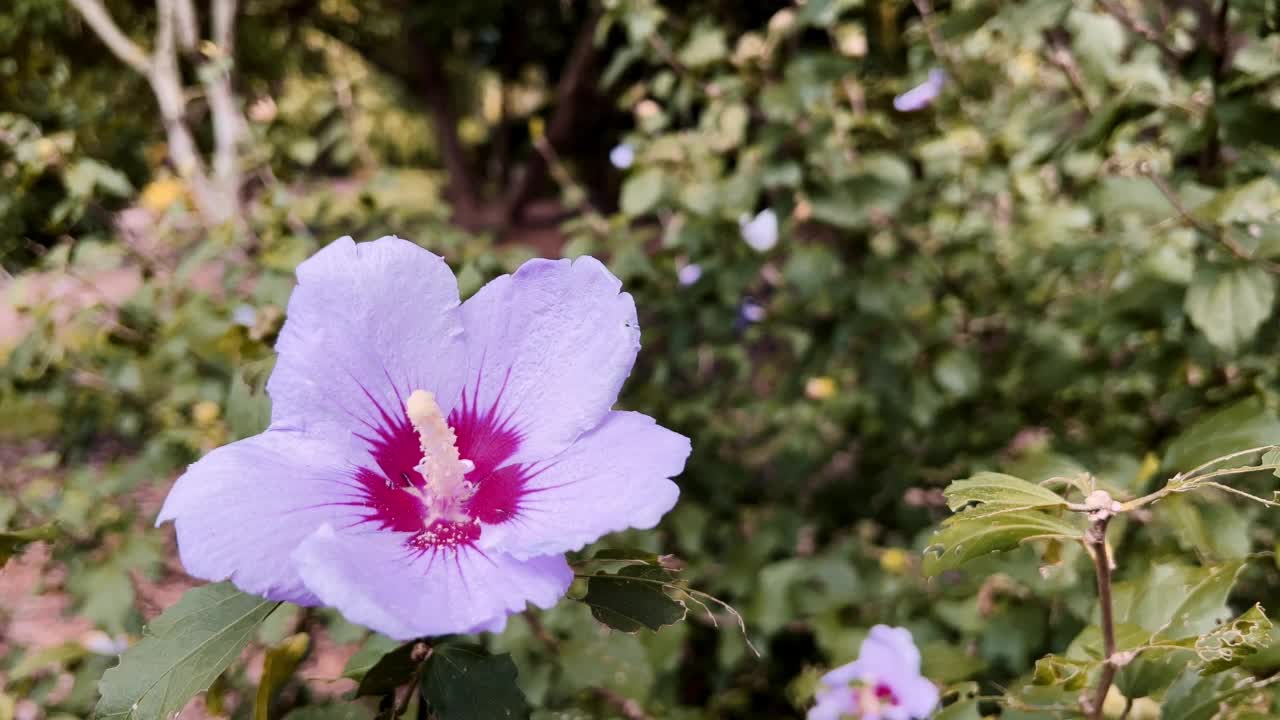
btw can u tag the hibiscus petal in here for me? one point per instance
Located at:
(376, 580)
(918, 696)
(242, 510)
(549, 347)
(612, 478)
(368, 324)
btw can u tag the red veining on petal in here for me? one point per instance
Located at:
(482, 437)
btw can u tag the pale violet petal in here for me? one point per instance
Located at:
(614, 477)
(548, 349)
(367, 324)
(242, 510)
(377, 580)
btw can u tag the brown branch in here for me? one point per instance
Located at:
(1219, 42)
(116, 41)
(1096, 539)
(463, 189)
(1060, 56)
(1140, 28)
(940, 50)
(573, 80)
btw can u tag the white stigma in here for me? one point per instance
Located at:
(447, 489)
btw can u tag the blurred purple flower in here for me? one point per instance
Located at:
(884, 683)
(244, 315)
(689, 274)
(760, 232)
(622, 156)
(429, 462)
(751, 312)
(922, 95)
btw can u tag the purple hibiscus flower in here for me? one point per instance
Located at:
(884, 683)
(429, 462)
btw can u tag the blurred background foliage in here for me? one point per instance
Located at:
(1065, 261)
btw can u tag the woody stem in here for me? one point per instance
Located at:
(1096, 540)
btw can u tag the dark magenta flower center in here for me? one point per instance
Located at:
(392, 491)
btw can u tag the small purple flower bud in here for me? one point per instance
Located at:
(622, 156)
(689, 274)
(760, 232)
(751, 312)
(244, 315)
(922, 95)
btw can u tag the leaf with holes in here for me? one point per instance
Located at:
(1227, 646)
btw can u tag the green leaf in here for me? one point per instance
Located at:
(999, 493)
(1228, 645)
(1241, 426)
(957, 373)
(12, 541)
(1151, 672)
(248, 407)
(56, 655)
(184, 649)
(1194, 697)
(1272, 457)
(1229, 305)
(627, 554)
(959, 710)
(391, 670)
(463, 682)
(1182, 602)
(280, 663)
(641, 192)
(1055, 670)
(633, 598)
(966, 537)
(706, 45)
(364, 659)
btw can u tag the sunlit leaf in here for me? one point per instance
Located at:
(965, 538)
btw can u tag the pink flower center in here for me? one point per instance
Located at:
(871, 698)
(439, 478)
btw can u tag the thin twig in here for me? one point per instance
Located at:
(1096, 538)
(561, 174)
(925, 8)
(1061, 57)
(116, 41)
(629, 708)
(1226, 240)
(421, 653)
(1140, 27)
(540, 631)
